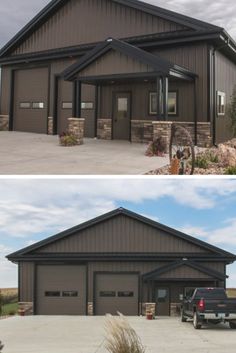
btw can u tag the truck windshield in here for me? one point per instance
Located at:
(209, 293)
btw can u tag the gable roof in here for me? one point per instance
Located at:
(54, 5)
(120, 211)
(164, 269)
(157, 63)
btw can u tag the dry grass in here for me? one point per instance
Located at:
(231, 292)
(121, 337)
(8, 292)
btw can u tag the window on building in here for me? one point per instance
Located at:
(52, 294)
(107, 294)
(87, 105)
(66, 105)
(38, 105)
(172, 103)
(70, 293)
(25, 105)
(125, 294)
(221, 100)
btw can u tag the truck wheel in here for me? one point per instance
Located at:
(232, 325)
(196, 324)
(183, 317)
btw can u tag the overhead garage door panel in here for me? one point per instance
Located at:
(117, 293)
(61, 290)
(31, 100)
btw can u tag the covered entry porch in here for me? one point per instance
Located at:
(133, 89)
(167, 286)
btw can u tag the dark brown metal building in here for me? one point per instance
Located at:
(117, 262)
(161, 66)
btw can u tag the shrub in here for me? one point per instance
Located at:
(121, 337)
(156, 148)
(201, 162)
(230, 171)
(68, 139)
(212, 157)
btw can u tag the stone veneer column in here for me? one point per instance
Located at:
(76, 127)
(50, 125)
(141, 131)
(4, 122)
(104, 129)
(26, 308)
(90, 309)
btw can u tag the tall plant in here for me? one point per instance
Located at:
(232, 111)
(121, 337)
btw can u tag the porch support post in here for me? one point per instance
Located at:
(96, 111)
(74, 105)
(195, 114)
(159, 98)
(165, 97)
(78, 99)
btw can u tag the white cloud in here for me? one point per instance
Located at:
(8, 273)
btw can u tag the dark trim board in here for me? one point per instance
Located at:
(95, 273)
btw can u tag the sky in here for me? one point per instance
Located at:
(16, 13)
(31, 210)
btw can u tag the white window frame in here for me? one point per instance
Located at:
(220, 94)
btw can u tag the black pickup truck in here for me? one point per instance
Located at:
(209, 305)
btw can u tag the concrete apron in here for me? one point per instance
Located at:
(66, 334)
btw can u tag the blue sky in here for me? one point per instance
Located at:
(31, 210)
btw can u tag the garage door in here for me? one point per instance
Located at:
(31, 100)
(64, 107)
(61, 290)
(116, 292)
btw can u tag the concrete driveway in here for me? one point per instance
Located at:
(26, 153)
(86, 335)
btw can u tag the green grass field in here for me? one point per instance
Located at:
(9, 309)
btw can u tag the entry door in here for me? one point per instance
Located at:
(162, 301)
(122, 116)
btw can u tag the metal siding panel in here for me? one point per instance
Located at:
(79, 22)
(26, 281)
(225, 82)
(184, 272)
(5, 90)
(65, 94)
(194, 58)
(143, 238)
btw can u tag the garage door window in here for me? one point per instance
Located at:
(52, 294)
(38, 105)
(25, 105)
(70, 294)
(107, 294)
(125, 294)
(66, 105)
